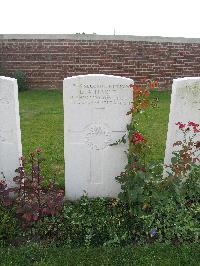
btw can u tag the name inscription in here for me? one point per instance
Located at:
(6, 136)
(191, 96)
(4, 100)
(100, 94)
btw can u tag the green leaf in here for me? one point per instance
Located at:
(174, 160)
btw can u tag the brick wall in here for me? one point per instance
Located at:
(48, 59)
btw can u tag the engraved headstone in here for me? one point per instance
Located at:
(95, 108)
(10, 135)
(185, 107)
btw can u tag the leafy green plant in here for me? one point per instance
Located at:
(32, 200)
(88, 222)
(153, 201)
(9, 226)
(133, 179)
(4, 194)
(21, 80)
(173, 210)
(187, 152)
(2, 71)
(172, 222)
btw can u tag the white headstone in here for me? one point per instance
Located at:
(185, 107)
(95, 108)
(10, 134)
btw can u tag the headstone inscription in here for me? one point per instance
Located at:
(95, 108)
(185, 107)
(10, 134)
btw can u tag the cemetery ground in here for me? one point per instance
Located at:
(41, 115)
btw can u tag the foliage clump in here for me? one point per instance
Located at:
(31, 199)
(21, 78)
(152, 198)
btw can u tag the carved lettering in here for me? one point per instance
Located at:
(99, 94)
(6, 136)
(4, 100)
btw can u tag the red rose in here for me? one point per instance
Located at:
(137, 137)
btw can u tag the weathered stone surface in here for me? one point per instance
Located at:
(95, 108)
(10, 134)
(185, 107)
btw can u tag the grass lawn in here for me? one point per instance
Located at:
(158, 255)
(42, 117)
(41, 114)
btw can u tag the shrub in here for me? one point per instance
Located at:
(170, 222)
(32, 200)
(172, 210)
(9, 226)
(2, 71)
(88, 222)
(8, 222)
(21, 80)
(134, 177)
(4, 194)
(165, 209)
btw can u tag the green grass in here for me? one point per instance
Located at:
(41, 114)
(42, 125)
(163, 255)
(154, 123)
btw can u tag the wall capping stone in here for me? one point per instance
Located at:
(96, 37)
